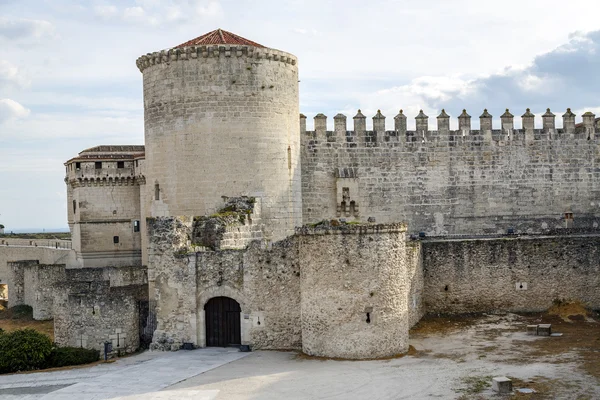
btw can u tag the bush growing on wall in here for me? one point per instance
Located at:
(23, 350)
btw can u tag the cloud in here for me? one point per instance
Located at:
(303, 31)
(134, 13)
(10, 109)
(10, 75)
(152, 12)
(25, 29)
(105, 12)
(101, 127)
(564, 77)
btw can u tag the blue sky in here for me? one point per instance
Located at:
(68, 79)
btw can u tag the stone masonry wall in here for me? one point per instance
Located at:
(39, 287)
(89, 311)
(455, 184)
(264, 281)
(15, 278)
(43, 255)
(172, 279)
(414, 265)
(510, 274)
(272, 291)
(354, 289)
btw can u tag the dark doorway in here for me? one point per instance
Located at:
(222, 316)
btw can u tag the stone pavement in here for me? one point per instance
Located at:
(128, 378)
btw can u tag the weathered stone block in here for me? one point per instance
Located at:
(532, 330)
(544, 330)
(501, 384)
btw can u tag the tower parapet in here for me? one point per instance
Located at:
(587, 129)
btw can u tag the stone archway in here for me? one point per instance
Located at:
(221, 291)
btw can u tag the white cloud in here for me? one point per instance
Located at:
(105, 11)
(114, 128)
(10, 75)
(10, 109)
(303, 31)
(25, 29)
(210, 9)
(134, 13)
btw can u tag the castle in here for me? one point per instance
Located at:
(236, 225)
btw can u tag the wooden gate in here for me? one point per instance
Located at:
(222, 316)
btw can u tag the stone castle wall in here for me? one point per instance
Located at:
(275, 282)
(39, 285)
(43, 255)
(95, 305)
(510, 274)
(354, 292)
(222, 121)
(467, 185)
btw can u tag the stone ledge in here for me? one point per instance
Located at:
(220, 50)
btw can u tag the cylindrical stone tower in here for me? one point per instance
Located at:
(354, 289)
(221, 119)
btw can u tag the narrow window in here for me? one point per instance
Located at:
(74, 206)
(156, 192)
(136, 163)
(77, 165)
(120, 164)
(98, 164)
(136, 226)
(115, 239)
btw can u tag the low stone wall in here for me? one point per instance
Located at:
(43, 255)
(415, 279)
(510, 274)
(39, 286)
(89, 311)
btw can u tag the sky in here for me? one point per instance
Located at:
(68, 79)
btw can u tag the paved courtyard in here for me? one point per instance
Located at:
(449, 359)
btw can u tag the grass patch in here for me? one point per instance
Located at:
(474, 384)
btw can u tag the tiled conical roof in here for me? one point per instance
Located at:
(219, 36)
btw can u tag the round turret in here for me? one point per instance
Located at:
(221, 120)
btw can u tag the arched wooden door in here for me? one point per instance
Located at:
(222, 316)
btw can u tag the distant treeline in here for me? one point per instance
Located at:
(45, 235)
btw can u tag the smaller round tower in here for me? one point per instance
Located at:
(354, 291)
(221, 120)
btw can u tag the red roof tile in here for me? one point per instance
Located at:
(218, 36)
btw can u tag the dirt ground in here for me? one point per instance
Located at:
(10, 321)
(565, 367)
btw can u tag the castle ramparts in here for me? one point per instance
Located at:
(588, 129)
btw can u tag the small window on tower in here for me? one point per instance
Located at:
(74, 206)
(77, 165)
(115, 239)
(156, 192)
(98, 164)
(120, 164)
(136, 226)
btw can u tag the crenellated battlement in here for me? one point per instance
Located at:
(588, 129)
(208, 51)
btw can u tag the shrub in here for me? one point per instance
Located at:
(22, 311)
(23, 350)
(63, 356)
